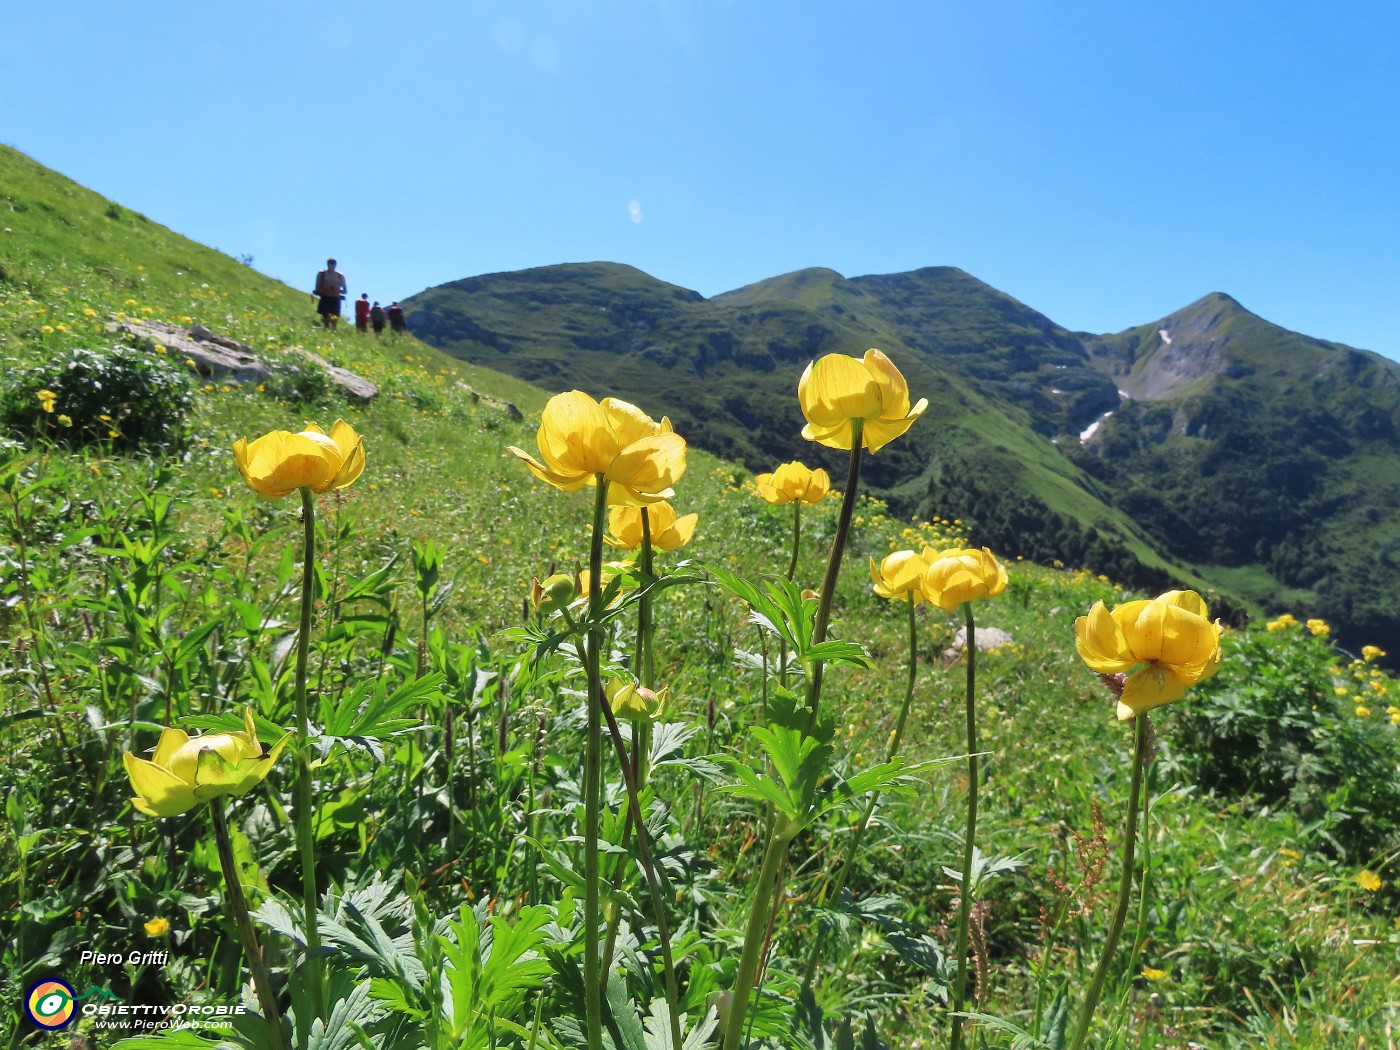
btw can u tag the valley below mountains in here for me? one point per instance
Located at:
(1208, 447)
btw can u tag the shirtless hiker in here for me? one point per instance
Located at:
(330, 289)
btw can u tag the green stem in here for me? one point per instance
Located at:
(853, 851)
(833, 572)
(305, 811)
(965, 887)
(1125, 887)
(238, 909)
(658, 903)
(796, 538)
(791, 573)
(774, 853)
(593, 777)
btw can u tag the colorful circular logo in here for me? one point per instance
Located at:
(50, 1004)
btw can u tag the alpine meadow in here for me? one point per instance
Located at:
(834, 663)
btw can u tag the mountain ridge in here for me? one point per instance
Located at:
(1096, 446)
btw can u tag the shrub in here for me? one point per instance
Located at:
(301, 380)
(125, 396)
(1273, 727)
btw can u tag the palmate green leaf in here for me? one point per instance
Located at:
(798, 762)
(1020, 1038)
(369, 714)
(345, 1028)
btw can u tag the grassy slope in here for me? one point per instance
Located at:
(437, 470)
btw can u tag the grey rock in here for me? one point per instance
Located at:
(987, 638)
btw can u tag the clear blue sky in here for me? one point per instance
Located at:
(1104, 161)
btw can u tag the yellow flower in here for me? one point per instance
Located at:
(1368, 881)
(899, 575)
(1153, 974)
(1362, 711)
(157, 927)
(958, 575)
(580, 439)
(1319, 628)
(280, 462)
(1284, 621)
(184, 772)
(668, 532)
(794, 483)
(838, 389)
(635, 702)
(1371, 652)
(1172, 635)
(47, 398)
(46, 329)
(88, 311)
(65, 420)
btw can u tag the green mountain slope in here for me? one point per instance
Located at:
(1265, 457)
(725, 370)
(1241, 454)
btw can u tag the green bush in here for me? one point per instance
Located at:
(301, 380)
(127, 397)
(1271, 726)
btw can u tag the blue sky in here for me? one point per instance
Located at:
(1104, 161)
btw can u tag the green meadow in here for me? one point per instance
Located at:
(144, 585)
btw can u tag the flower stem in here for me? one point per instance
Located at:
(796, 538)
(833, 572)
(592, 778)
(1125, 887)
(238, 909)
(853, 851)
(970, 836)
(305, 811)
(774, 853)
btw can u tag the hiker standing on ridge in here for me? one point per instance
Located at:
(396, 320)
(362, 314)
(376, 318)
(330, 289)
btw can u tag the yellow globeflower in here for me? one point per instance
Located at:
(1171, 635)
(838, 389)
(184, 772)
(282, 462)
(668, 532)
(1319, 628)
(899, 575)
(794, 483)
(962, 575)
(579, 439)
(157, 927)
(47, 398)
(1371, 652)
(1282, 623)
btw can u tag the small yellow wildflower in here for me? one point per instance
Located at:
(157, 927)
(1371, 652)
(1284, 621)
(1319, 628)
(65, 421)
(1154, 974)
(47, 398)
(131, 302)
(1368, 880)
(1362, 711)
(46, 329)
(88, 311)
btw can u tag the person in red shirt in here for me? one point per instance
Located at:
(362, 314)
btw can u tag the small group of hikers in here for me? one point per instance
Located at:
(330, 292)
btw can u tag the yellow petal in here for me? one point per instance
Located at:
(1147, 689)
(645, 471)
(352, 450)
(838, 388)
(894, 391)
(159, 793)
(1101, 642)
(568, 482)
(678, 534)
(575, 436)
(837, 436)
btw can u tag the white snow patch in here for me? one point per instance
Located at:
(1122, 394)
(1166, 336)
(1092, 428)
(1054, 391)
